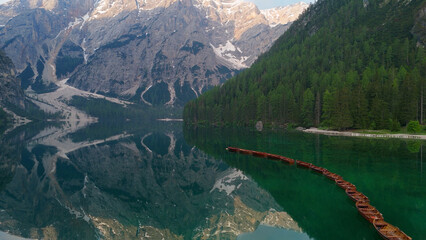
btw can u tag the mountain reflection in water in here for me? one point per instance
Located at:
(108, 182)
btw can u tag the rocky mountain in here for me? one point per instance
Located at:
(283, 15)
(156, 52)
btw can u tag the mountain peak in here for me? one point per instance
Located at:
(284, 15)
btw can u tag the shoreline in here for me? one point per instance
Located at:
(369, 135)
(170, 120)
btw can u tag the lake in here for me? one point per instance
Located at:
(161, 180)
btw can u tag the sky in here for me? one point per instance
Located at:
(262, 4)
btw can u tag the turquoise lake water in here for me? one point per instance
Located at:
(161, 180)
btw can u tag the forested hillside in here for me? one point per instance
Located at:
(343, 64)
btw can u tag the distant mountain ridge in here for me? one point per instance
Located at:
(156, 52)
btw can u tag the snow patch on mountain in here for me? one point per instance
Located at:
(228, 53)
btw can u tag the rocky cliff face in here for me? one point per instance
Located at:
(156, 52)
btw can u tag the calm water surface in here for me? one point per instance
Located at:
(157, 181)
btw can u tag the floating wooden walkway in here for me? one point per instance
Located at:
(362, 203)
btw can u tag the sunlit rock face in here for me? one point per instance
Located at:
(155, 52)
(283, 15)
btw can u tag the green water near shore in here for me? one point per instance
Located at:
(390, 172)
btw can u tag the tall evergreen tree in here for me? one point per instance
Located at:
(308, 108)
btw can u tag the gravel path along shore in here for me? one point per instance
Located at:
(354, 134)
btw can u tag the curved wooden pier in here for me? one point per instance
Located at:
(362, 203)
